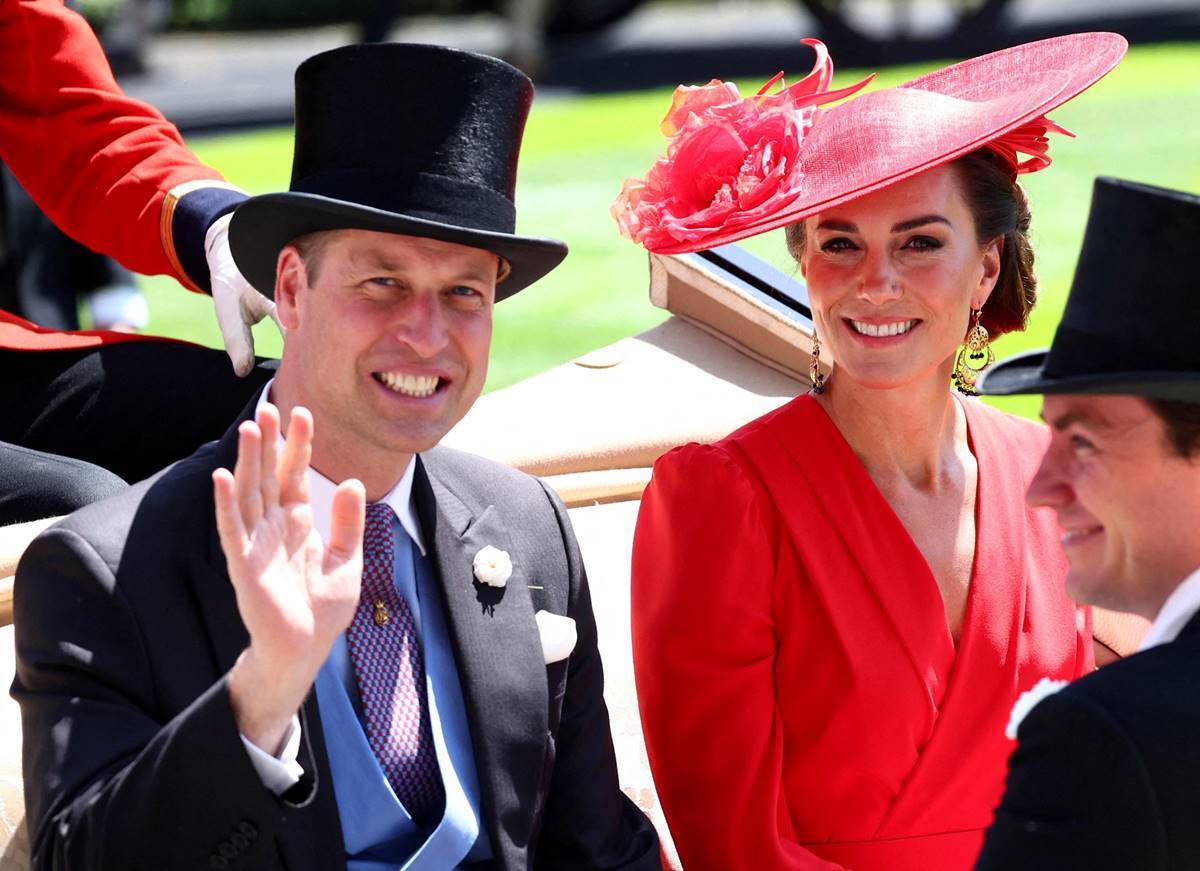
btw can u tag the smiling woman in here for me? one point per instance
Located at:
(868, 556)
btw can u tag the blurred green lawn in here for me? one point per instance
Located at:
(1142, 122)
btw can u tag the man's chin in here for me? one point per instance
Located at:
(408, 444)
(407, 438)
(1096, 588)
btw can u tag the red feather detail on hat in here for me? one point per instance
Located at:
(730, 162)
(1028, 139)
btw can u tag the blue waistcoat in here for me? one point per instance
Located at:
(379, 833)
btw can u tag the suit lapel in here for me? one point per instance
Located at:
(499, 658)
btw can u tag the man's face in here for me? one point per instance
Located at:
(1128, 504)
(388, 344)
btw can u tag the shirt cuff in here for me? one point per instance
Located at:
(278, 773)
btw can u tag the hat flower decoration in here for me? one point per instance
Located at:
(730, 160)
(736, 167)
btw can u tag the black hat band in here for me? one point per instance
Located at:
(425, 195)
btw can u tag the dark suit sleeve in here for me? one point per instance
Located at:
(109, 784)
(1078, 796)
(589, 823)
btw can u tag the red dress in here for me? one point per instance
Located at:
(803, 703)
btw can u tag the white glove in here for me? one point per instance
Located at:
(239, 306)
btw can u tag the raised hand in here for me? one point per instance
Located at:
(295, 593)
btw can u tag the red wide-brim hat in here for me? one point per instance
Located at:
(739, 167)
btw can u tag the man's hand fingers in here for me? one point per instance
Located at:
(240, 348)
(235, 332)
(247, 474)
(255, 306)
(346, 521)
(297, 452)
(268, 423)
(230, 528)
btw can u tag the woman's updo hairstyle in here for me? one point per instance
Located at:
(999, 208)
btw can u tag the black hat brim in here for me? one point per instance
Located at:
(263, 225)
(1026, 374)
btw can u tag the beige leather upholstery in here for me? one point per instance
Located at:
(695, 377)
(605, 535)
(685, 287)
(672, 384)
(14, 841)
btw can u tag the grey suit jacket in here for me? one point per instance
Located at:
(126, 628)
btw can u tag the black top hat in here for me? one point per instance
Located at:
(1132, 321)
(413, 139)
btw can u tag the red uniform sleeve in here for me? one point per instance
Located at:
(704, 650)
(99, 163)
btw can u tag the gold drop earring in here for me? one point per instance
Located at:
(814, 365)
(973, 357)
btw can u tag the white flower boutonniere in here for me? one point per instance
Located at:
(1027, 701)
(493, 566)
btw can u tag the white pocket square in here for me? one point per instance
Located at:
(557, 634)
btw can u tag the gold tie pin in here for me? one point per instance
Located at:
(380, 615)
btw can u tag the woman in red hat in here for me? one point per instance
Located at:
(836, 607)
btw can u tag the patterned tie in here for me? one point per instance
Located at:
(386, 654)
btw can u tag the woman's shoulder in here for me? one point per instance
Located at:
(736, 453)
(702, 467)
(793, 415)
(710, 495)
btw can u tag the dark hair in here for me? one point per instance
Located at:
(311, 246)
(1182, 421)
(999, 208)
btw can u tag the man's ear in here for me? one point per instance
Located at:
(290, 278)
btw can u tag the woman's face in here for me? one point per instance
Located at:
(893, 276)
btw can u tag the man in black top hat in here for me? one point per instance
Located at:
(256, 670)
(1106, 771)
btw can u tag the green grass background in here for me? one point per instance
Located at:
(1142, 122)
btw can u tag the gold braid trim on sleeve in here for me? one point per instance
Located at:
(166, 221)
